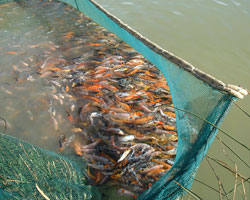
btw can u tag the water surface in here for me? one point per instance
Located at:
(213, 35)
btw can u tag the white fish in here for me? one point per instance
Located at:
(126, 138)
(92, 116)
(124, 155)
(55, 123)
(30, 114)
(171, 152)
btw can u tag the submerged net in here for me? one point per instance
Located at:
(41, 174)
(28, 172)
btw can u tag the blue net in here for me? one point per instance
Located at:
(189, 93)
(197, 98)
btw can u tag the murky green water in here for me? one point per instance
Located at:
(30, 103)
(213, 35)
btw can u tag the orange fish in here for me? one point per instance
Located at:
(134, 182)
(100, 70)
(92, 98)
(68, 35)
(93, 88)
(94, 44)
(109, 87)
(133, 131)
(165, 165)
(124, 106)
(129, 98)
(155, 171)
(143, 120)
(159, 123)
(90, 175)
(77, 149)
(133, 72)
(69, 116)
(171, 114)
(169, 147)
(94, 80)
(127, 193)
(66, 88)
(106, 75)
(169, 128)
(150, 95)
(116, 176)
(162, 85)
(98, 177)
(138, 113)
(149, 74)
(145, 77)
(11, 52)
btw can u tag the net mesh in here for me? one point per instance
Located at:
(188, 93)
(26, 171)
(36, 173)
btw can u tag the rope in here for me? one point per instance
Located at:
(221, 187)
(208, 186)
(243, 145)
(246, 180)
(233, 152)
(189, 191)
(237, 105)
(223, 164)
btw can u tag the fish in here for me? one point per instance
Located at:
(117, 131)
(30, 114)
(11, 52)
(119, 105)
(122, 191)
(62, 140)
(126, 138)
(165, 165)
(142, 120)
(92, 98)
(68, 35)
(69, 116)
(55, 123)
(124, 155)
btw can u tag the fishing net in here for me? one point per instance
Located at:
(32, 173)
(200, 102)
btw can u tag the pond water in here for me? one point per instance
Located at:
(212, 35)
(29, 102)
(76, 88)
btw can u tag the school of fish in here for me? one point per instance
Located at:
(119, 104)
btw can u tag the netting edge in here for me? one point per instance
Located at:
(233, 90)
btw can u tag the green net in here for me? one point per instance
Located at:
(28, 172)
(32, 173)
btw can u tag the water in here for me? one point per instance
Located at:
(29, 102)
(56, 72)
(213, 35)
